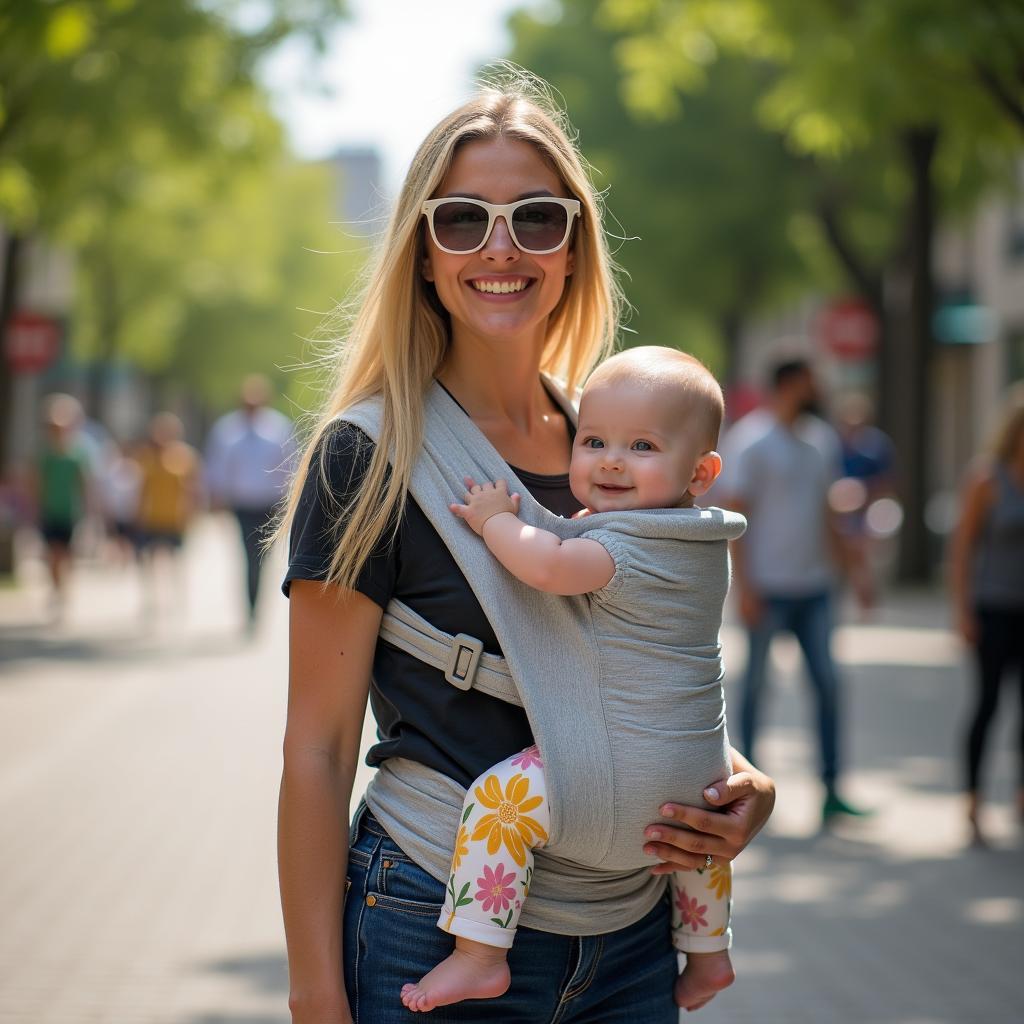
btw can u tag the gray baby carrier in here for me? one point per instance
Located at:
(610, 759)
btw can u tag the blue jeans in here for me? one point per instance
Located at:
(809, 619)
(391, 937)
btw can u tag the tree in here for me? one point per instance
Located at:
(937, 83)
(95, 96)
(703, 193)
(200, 278)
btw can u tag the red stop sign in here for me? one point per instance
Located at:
(31, 342)
(848, 328)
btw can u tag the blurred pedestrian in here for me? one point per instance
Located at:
(169, 482)
(868, 467)
(780, 462)
(987, 577)
(119, 489)
(61, 488)
(249, 458)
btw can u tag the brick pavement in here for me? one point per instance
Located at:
(139, 757)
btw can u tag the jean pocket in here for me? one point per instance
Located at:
(405, 886)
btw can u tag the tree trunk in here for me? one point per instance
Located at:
(13, 248)
(868, 282)
(907, 376)
(105, 284)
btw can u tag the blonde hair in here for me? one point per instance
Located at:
(400, 334)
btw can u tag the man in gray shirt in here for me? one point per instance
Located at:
(250, 456)
(779, 463)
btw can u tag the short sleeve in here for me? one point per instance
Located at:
(738, 471)
(625, 571)
(336, 473)
(736, 481)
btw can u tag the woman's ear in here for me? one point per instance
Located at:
(705, 473)
(570, 261)
(427, 268)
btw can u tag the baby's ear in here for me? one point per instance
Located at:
(705, 473)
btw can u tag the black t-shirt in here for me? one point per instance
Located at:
(420, 715)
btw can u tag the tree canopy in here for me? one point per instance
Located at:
(821, 139)
(137, 135)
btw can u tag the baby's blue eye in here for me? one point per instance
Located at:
(593, 442)
(643, 446)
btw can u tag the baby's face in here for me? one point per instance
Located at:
(633, 449)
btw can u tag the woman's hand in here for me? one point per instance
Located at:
(746, 800)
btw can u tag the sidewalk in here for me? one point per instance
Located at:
(139, 761)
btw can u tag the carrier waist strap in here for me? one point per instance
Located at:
(461, 657)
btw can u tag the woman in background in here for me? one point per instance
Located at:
(987, 564)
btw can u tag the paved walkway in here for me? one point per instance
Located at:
(139, 759)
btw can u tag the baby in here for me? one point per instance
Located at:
(648, 426)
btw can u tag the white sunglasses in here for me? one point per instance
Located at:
(538, 226)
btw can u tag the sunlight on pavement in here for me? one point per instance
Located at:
(996, 911)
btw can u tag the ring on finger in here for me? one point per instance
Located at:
(708, 861)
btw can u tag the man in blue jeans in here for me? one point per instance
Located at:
(779, 463)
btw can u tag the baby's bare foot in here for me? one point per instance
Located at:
(466, 974)
(704, 976)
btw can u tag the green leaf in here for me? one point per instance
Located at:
(68, 32)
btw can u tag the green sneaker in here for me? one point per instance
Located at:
(835, 805)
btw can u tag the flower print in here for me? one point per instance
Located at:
(691, 913)
(461, 847)
(496, 892)
(720, 881)
(510, 823)
(528, 758)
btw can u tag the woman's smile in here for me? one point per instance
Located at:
(504, 287)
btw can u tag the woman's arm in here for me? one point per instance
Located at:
(332, 635)
(746, 800)
(539, 558)
(975, 505)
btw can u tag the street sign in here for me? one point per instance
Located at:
(848, 328)
(31, 341)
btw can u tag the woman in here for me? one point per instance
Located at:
(483, 301)
(987, 563)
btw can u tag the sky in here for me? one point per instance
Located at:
(394, 69)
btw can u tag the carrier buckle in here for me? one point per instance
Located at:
(463, 660)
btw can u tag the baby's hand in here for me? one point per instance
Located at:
(483, 501)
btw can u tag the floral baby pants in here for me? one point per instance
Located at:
(504, 818)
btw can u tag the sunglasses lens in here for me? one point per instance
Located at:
(539, 226)
(459, 226)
